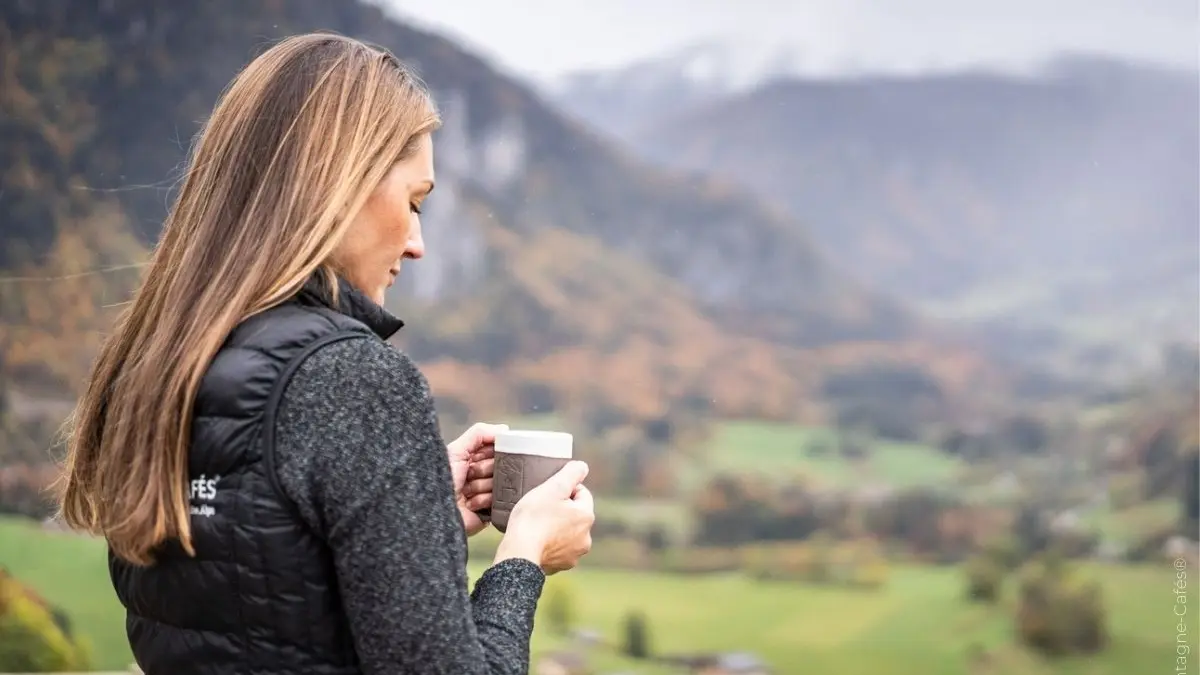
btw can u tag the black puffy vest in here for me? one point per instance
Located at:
(260, 596)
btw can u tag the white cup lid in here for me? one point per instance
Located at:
(556, 444)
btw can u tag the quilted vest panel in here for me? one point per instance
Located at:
(260, 595)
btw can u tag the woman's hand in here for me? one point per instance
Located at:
(552, 524)
(472, 460)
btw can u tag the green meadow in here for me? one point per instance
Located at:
(71, 572)
(1126, 524)
(773, 450)
(918, 623)
(787, 449)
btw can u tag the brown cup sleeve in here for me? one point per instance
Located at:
(513, 477)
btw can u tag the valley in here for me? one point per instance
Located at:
(1060, 202)
(873, 374)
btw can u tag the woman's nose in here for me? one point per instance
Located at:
(415, 248)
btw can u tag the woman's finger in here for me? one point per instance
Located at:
(481, 469)
(583, 499)
(480, 501)
(478, 486)
(485, 451)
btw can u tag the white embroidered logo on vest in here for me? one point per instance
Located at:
(203, 489)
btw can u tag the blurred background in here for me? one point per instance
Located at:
(877, 321)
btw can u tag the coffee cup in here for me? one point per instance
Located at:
(524, 460)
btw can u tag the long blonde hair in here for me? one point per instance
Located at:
(290, 155)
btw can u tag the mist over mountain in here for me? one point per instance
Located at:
(1067, 198)
(621, 101)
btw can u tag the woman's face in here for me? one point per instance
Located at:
(388, 229)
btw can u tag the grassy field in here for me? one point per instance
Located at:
(918, 624)
(1126, 525)
(783, 449)
(779, 450)
(70, 572)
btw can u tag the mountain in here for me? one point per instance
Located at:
(1065, 200)
(551, 251)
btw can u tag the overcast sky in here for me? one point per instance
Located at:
(540, 38)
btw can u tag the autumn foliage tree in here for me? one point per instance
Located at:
(34, 637)
(1060, 612)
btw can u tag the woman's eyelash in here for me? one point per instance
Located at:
(415, 209)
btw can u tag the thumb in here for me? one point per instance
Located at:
(487, 429)
(482, 433)
(563, 483)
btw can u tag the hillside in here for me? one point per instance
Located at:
(1066, 200)
(548, 247)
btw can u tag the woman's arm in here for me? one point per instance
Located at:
(359, 450)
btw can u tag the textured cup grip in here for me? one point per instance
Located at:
(514, 476)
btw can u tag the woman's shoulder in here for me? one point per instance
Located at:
(346, 397)
(359, 365)
(340, 419)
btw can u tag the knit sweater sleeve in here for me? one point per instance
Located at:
(359, 451)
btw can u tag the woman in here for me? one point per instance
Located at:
(267, 471)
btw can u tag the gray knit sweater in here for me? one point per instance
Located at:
(359, 451)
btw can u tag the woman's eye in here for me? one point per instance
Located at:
(414, 208)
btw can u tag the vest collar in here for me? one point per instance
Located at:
(351, 302)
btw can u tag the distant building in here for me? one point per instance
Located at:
(588, 638)
(1066, 522)
(561, 663)
(1182, 547)
(874, 494)
(1006, 483)
(732, 663)
(1111, 551)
